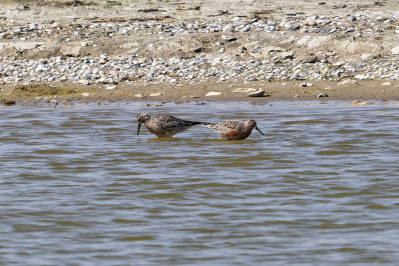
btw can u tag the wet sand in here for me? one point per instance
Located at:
(274, 91)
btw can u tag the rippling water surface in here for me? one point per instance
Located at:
(77, 186)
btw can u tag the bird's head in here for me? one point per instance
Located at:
(252, 125)
(141, 118)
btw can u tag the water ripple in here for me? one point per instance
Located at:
(321, 187)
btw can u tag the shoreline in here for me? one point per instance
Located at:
(372, 90)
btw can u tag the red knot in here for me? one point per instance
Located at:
(164, 125)
(234, 130)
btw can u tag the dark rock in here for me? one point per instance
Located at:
(8, 103)
(322, 95)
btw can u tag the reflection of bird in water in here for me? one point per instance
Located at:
(234, 130)
(164, 125)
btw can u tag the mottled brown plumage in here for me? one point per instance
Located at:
(164, 125)
(234, 130)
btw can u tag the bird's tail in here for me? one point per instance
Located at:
(193, 123)
(206, 124)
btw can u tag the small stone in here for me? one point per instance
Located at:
(287, 55)
(352, 18)
(386, 84)
(85, 82)
(22, 7)
(139, 95)
(395, 50)
(380, 18)
(246, 29)
(156, 94)
(259, 93)
(307, 84)
(229, 38)
(368, 57)
(86, 94)
(110, 87)
(322, 95)
(310, 59)
(361, 77)
(338, 64)
(33, 26)
(214, 93)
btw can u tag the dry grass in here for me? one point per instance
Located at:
(34, 90)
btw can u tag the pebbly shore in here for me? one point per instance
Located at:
(218, 47)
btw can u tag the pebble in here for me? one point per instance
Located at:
(361, 77)
(110, 87)
(214, 93)
(259, 93)
(33, 26)
(255, 62)
(307, 84)
(156, 94)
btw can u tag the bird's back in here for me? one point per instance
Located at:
(230, 130)
(167, 125)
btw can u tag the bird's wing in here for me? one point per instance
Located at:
(224, 126)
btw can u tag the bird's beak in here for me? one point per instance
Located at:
(259, 130)
(138, 129)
